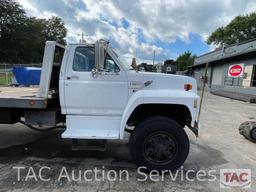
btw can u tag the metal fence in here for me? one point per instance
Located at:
(6, 74)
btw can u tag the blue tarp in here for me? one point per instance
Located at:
(27, 75)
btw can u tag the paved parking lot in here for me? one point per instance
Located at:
(219, 147)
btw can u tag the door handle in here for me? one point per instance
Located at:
(72, 77)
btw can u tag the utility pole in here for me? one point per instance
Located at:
(154, 54)
(202, 95)
(136, 40)
(82, 40)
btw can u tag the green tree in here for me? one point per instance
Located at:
(184, 60)
(36, 33)
(240, 29)
(55, 30)
(31, 40)
(12, 17)
(22, 38)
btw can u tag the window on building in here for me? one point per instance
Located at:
(253, 83)
(84, 59)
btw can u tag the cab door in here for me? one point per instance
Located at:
(86, 94)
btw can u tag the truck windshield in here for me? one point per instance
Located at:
(123, 61)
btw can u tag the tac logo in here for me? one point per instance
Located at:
(235, 178)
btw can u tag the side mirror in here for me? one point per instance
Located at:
(100, 52)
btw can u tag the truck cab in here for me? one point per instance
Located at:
(101, 97)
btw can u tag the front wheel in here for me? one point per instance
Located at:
(159, 143)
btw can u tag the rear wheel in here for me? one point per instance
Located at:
(159, 143)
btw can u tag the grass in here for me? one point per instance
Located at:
(5, 80)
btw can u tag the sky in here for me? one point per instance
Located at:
(137, 28)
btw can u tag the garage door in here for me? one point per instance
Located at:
(217, 75)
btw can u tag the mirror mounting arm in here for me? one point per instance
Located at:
(95, 72)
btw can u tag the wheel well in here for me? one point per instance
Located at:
(180, 113)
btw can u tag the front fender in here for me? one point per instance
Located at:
(135, 100)
(178, 97)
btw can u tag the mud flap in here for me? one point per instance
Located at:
(195, 128)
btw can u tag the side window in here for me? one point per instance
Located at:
(84, 59)
(110, 65)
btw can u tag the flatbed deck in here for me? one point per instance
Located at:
(18, 92)
(22, 97)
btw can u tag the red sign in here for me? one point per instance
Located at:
(236, 70)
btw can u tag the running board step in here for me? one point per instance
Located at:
(92, 127)
(89, 145)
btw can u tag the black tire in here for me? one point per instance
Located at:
(248, 130)
(171, 149)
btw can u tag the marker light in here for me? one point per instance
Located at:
(187, 87)
(32, 102)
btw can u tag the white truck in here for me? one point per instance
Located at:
(96, 95)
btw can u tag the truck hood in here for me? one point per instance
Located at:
(161, 80)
